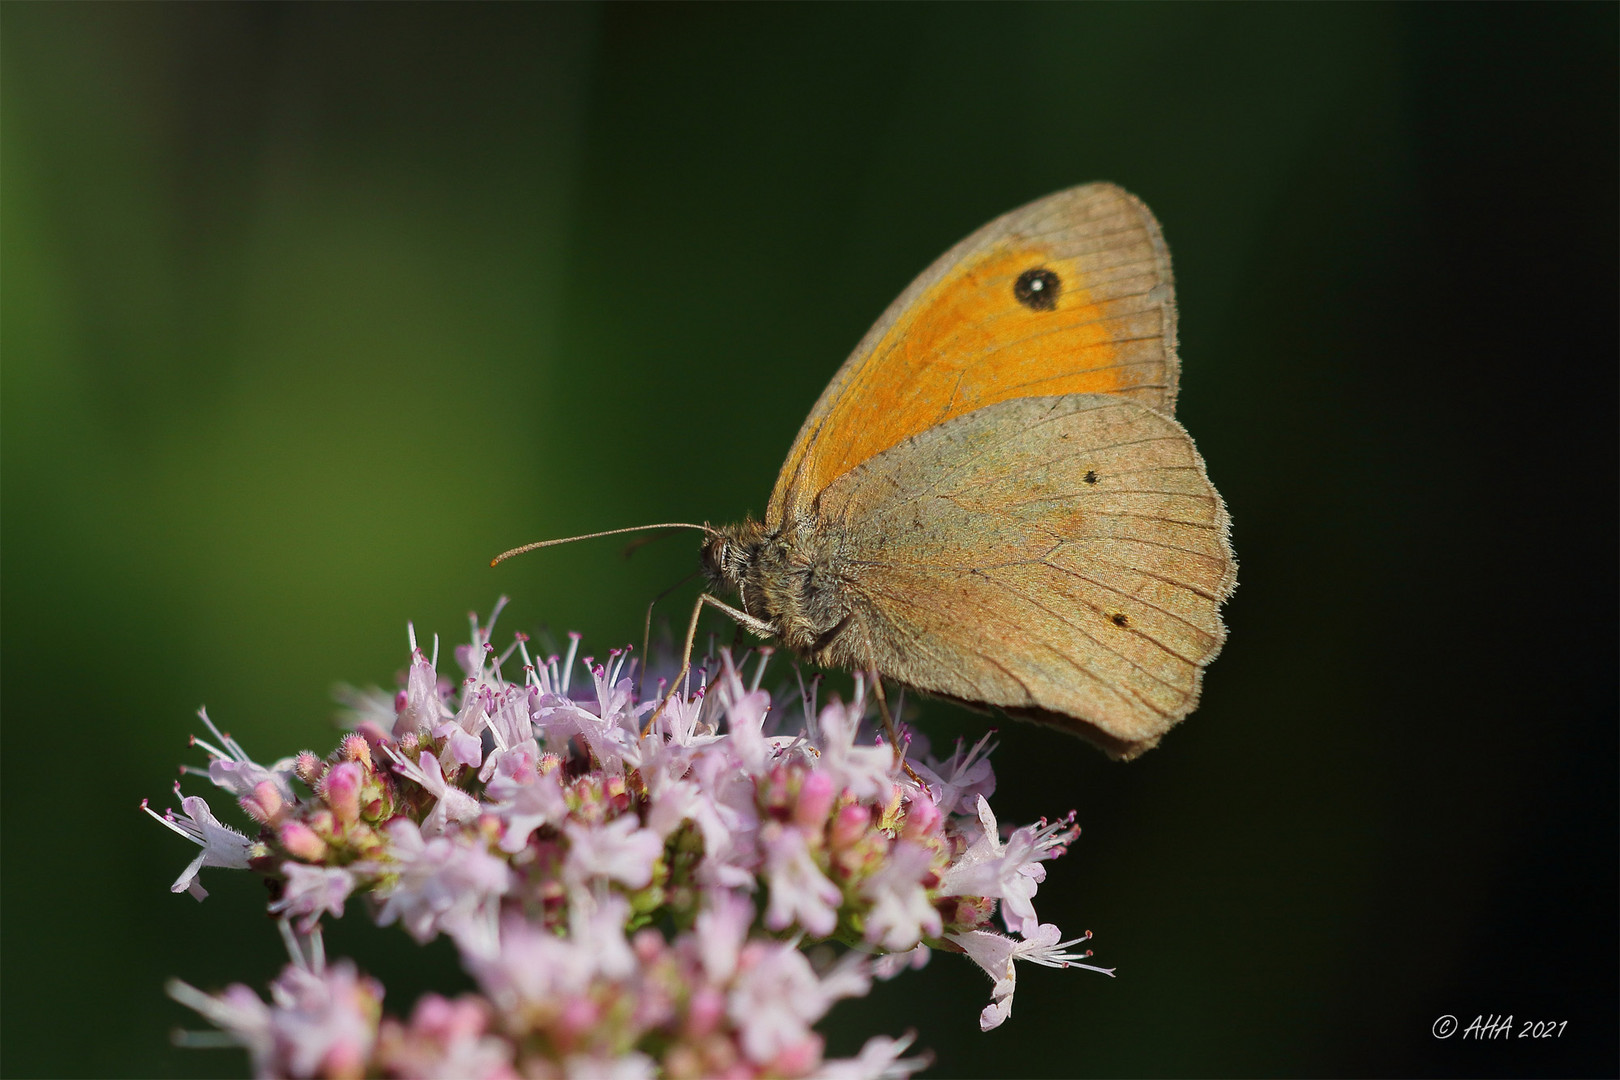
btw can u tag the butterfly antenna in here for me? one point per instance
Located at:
(503, 556)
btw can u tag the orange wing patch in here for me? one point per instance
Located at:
(977, 334)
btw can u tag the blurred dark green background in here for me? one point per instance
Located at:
(308, 310)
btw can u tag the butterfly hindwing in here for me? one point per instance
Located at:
(1064, 557)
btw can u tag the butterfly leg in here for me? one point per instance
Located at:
(646, 635)
(646, 645)
(758, 626)
(888, 726)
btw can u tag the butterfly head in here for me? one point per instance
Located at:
(730, 550)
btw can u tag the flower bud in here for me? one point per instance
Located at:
(816, 796)
(265, 804)
(850, 825)
(922, 819)
(354, 747)
(307, 767)
(300, 841)
(342, 791)
(374, 735)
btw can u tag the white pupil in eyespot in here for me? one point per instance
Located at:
(1037, 285)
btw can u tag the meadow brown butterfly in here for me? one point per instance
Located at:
(992, 501)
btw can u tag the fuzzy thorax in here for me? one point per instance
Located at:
(788, 579)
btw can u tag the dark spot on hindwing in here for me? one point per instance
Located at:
(1091, 476)
(1038, 289)
(1120, 619)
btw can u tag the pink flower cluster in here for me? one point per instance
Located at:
(631, 883)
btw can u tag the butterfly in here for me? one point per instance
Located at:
(992, 502)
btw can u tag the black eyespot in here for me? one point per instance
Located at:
(1038, 289)
(1091, 476)
(1119, 618)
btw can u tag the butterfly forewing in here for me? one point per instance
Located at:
(1070, 294)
